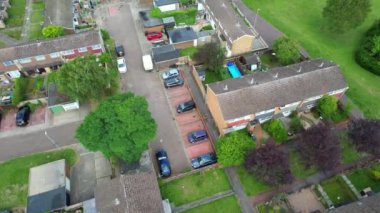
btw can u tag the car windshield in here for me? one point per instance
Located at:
(193, 135)
(205, 159)
(121, 65)
(165, 168)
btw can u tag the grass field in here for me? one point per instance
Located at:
(338, 191)
(16, 34)
(227, 204)
(251, 185)
(361, 179)
(190, 51)
(14, 175)
(297, 167)
(196, 186)
(349, 153)
(303, 21)
(16, 13)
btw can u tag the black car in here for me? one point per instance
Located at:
(119, 50)
(196, 136)
(22, 116)
(185, 106)
(173, 82)
(203, 160)
(163, 163)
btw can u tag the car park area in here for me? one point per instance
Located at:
(188, 121)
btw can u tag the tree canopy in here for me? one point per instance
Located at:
(270, 164)
(276, 130)
(211, 55)
(327, 106)
(87, 78)
(365, 135)
(233, 147)
(287, 50)
(319, 146)
(344, 15)
(121, 126)
(53, 31)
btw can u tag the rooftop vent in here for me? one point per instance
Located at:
(275, 75)
(321, 65)
(225, 88)
(252, 81)
(299, 70)
(223, 5)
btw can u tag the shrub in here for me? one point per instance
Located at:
(327, 106)
(19, 91)
(368, 53)
(105, 34)
(53, 31)
(287, 50)
(207, 27)
(296, 125)
(374, 174)
(276, 130)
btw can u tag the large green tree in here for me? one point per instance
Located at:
(233, 147)
(53, 31)
(121, 126)
(211, 55)
(88, 77)
(327, 106)
(287, 50)
(344, 15)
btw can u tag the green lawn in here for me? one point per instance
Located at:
(338, 191)
(38, 5)
(227, 204)
(251, 185)
(188, 51)
(302, 20)
(37, 17)
(297, 167)
(16, 34)
(14, 175)
(184, 16)
(262, 208)
(361, 179)
(16, 13)
(269, 61)
(349, 153)
(196, 186)
(35, 32)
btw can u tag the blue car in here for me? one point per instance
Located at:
(195, 136)
(163, 163)
(203, 160)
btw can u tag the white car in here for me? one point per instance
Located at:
(121, 65)
(172, 73)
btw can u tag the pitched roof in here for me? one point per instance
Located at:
(164, 53)
(369, 205)
(43, 47)
(261, 91)
(149, 21)
(59, 12)
(182, 34)
(233, 26)
(165, 2)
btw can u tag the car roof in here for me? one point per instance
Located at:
(199, 132)
(120, 59)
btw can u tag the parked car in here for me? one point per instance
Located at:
(153, 36)
(203, 160)
(121, 66)
(197, 135)
(185, 106)
(147, 62)
(22, 116)
(173, 82)
(172, 73)
(163, 163)
(119, 49)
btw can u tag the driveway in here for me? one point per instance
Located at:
(119, 21)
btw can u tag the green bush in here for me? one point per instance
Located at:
(53, 31)
(374, 174)
(34, 106)
(276, 130)
(368, 53)
(327, 106)
(105, 34)
(19, 91)
(287, 50)
(207, 27)
(296, 125)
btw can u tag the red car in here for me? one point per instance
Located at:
(154, 35)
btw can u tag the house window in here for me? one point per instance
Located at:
(82, 49)
(25, 60)
(8, 63)
(40, 57)
(54, 55)
(96, 47)
(68, 52)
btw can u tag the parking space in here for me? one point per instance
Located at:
(188, 122)
(8, 121)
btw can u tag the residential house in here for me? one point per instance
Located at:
(183, 37)
(165, 56)
(136, 191)
(237, 37)
(277, 92)
(166, 5)
(49, 187)
(33, 57)
(151, 24)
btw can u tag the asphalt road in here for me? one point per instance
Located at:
(37, 141)
(121, 26)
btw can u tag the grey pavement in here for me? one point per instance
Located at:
(203, 201)
(244, 201)
(8, 40)
(127, 31)
(26, 25)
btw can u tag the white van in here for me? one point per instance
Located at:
(147, 62)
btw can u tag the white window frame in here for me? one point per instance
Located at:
(96, 47)
(24, 60)
(82, 49)
(264, 112)
(55, 55)
(40, 58)
(8, 63)
(68, 52)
